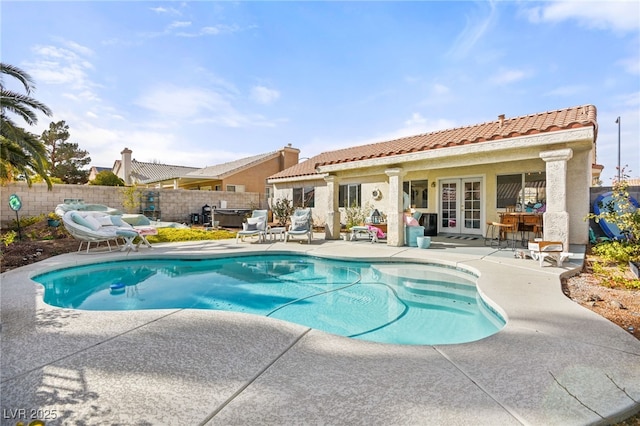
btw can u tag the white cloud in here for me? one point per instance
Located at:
(416, 119)
(264, 95)
(418, 124)
(184, 102)
(65, 66)
(415, 125)
(210, 30)
(197, 105)
(631, 65)
(620, 16)
(166, 10)
(473, 31)
(567, 90)
(178, 24)
(508, 76)
(440, 89)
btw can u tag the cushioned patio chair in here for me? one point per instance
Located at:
(301, 225)
(95, 227)
(255, 225)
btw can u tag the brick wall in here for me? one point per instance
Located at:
(176, 205)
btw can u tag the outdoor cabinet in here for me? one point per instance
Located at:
(150, 204)
(430, 223)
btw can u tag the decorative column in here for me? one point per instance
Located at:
(395, 225)
(332, 227)
(556, 217)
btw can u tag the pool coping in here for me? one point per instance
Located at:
(180, 366)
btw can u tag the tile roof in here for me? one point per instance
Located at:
(502, 128)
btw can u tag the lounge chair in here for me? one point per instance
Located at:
(301, 225)
(255, 225)
(95, 227)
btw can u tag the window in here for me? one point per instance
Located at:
(349, 195)
(231, 188)
(304, 197)
(523, 190)
(418, 190)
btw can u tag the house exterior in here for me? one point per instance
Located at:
(94, 170)
(464, 176)
(244, 175)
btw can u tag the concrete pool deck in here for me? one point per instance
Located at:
(555, 362)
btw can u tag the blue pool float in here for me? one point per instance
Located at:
(117, 286)
(611, 230)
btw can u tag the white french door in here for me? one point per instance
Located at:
(461, 206)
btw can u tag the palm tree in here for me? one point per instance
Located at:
(21, 153)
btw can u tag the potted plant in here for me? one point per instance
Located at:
(53, 220)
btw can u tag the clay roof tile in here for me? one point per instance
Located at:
(503, 127)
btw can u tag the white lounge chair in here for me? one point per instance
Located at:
(301, 225)
(95, 227)
(255, 225)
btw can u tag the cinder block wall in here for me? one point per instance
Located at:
(176, 205)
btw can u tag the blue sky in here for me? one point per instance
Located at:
(201, 83)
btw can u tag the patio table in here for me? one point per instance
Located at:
(274, 232)
(143, 231)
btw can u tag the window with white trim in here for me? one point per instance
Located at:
(523, 190)
(349, 195)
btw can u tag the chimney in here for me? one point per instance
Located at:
(500, 121)
(126, 166)
(288, 156)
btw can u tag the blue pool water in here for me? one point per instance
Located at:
(402, 303)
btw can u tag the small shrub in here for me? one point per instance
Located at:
(617, 251)
(170, 235)
(282, 210)
(8, 237)
(130, 198)
(356, 215)
(620, 211)
(25, 221)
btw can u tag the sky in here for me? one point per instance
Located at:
(201, 83)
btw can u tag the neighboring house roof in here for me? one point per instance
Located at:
(101, 169)
(154, 172)
(222, 170)
(503, 128)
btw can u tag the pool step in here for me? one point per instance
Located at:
(426, 284)
(426, 274)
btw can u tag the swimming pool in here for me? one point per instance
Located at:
(388, 302)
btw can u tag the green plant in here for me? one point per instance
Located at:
(169, 235)
(130, 199)
(53, 216)
(614, 256)
(8, 237)
(25, 221)
(282, 210)
(617, 251)
(620, 211)
(356, 215)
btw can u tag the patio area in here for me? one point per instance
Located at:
(553, 363)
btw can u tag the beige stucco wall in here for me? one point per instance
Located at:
(374, 178)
